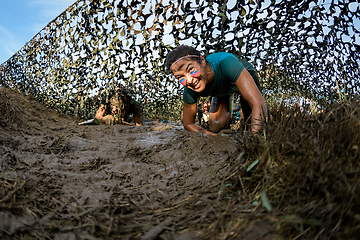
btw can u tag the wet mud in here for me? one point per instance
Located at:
(65, 181)
(60, 180)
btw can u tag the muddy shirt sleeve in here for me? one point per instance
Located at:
(135, 107)
(190, 97)
(231, 68)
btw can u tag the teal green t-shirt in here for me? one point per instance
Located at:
(227, 69)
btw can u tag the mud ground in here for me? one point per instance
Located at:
(60, 180)
(299, 179)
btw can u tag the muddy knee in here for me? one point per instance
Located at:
(216, 124)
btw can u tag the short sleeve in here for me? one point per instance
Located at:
(231, 68)
(190, 97)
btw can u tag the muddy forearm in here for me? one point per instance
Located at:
(189, 114)
(100, 119)
(257, 117)
(108, 119)
(100, 114)
(138, 119)
(195, 128)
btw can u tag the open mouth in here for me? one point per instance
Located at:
(196, 84)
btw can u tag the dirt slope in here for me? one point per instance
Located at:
(65, 181)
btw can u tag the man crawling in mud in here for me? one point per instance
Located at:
(117, 106)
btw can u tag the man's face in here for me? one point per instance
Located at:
(207, 106)
(190, 73)
(203, 106)
(115, 106)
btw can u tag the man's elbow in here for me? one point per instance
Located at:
(186, 127)
(138, 119)
(189, 127)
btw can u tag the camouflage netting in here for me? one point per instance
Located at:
(310, 48)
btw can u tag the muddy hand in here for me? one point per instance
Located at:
(110, 120)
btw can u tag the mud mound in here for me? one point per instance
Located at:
(298, 179)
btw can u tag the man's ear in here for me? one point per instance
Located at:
(203, 60)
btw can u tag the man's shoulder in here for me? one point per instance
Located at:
(218, 56)
(221, 59)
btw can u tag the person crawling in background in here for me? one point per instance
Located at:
(117, 106)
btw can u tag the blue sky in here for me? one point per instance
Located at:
(21, 20)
